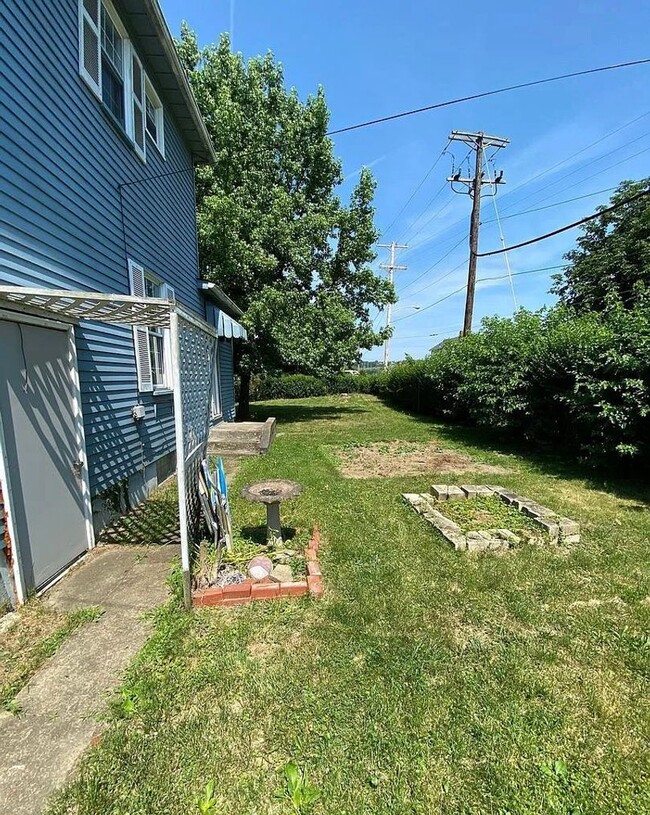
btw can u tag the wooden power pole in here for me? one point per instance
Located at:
(478, 143)
(391, 267)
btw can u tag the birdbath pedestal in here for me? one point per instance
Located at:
(272, 493)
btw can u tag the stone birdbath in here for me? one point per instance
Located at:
(272, 493)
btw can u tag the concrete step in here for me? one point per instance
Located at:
(241, 438)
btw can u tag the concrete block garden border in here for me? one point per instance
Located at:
(559, 529)
(241, 593)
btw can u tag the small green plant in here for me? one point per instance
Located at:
(557, 770)
(13, 707)
(297, 789)
(128, 703)
(207, 801)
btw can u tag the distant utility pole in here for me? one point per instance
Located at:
(478, 142)
(391, 267)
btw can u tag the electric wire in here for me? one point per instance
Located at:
(602, 211)
(503, 240)
(417, 189)
(483, 94)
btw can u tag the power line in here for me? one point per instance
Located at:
(539, 238)
(582, 150)
(501, 236)
(431, 305)
(579, 169)
(479, 280)
(433, 265)
(550, 206)
(483, 94)
(444, 276)
(416, 190)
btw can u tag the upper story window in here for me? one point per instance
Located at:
(154, 116)
(110, 65)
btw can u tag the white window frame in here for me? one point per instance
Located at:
(150, 93)
(130, 99)
(138, 275)
(216, 408)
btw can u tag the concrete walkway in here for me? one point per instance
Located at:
(39, 748)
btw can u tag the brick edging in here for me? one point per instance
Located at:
(266, 589)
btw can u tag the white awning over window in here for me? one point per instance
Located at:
(230, 328)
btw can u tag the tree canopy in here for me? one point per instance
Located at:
(272, 231)
(612, 259)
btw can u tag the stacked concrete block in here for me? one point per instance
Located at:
(562, 530)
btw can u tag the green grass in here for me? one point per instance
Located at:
(37, 635)
(425, 681)
(487, 512)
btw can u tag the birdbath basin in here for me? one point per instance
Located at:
(272, 493)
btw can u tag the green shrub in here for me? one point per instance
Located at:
(301, 386)
(580, 382)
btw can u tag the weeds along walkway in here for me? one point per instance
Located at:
(425, 681)
(57, 711)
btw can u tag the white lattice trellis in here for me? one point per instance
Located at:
(194, 346)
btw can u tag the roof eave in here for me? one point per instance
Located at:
(219, 296)
(185, 110)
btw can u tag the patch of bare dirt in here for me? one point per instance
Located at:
(398, 458)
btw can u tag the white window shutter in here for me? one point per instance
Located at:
(141, 332)
(137, 103)
(168, 292)
(89, 44)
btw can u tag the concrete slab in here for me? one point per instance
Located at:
(60, 704)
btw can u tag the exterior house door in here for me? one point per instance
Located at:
(41, 446)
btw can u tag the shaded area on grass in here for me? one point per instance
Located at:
(153, 522)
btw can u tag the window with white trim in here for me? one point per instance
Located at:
(109, 64)
(154, 116)
(152, 344)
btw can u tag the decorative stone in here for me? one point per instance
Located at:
(507, 535)
(484, 490)
(569, 527)
(550, 527)
(282, 573)
(425, 505)
(470, 490)
(260, 567)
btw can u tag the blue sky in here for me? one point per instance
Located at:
(380, 57)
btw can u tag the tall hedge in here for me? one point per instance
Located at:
(581, 382)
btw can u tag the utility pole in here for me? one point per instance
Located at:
(478, 142)
(391, 267)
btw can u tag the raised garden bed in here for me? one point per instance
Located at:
(306, 578)
(477, 518)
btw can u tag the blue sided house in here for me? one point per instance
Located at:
(99, 139)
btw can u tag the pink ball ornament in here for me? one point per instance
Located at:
(260, 567)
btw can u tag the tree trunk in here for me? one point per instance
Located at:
(244, 405)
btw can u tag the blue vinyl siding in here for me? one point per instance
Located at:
(226, 377)
(62, 164)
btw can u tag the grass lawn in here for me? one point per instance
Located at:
(36, 635)
(426, 680)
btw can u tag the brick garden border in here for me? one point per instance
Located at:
(559, 529)
(266, 589)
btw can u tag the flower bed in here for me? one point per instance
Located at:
(485, 526)
(265, 588)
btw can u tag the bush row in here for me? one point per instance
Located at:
(301, 386)
(581, 383)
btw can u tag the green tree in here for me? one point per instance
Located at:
(612, 258)
(272, 231)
